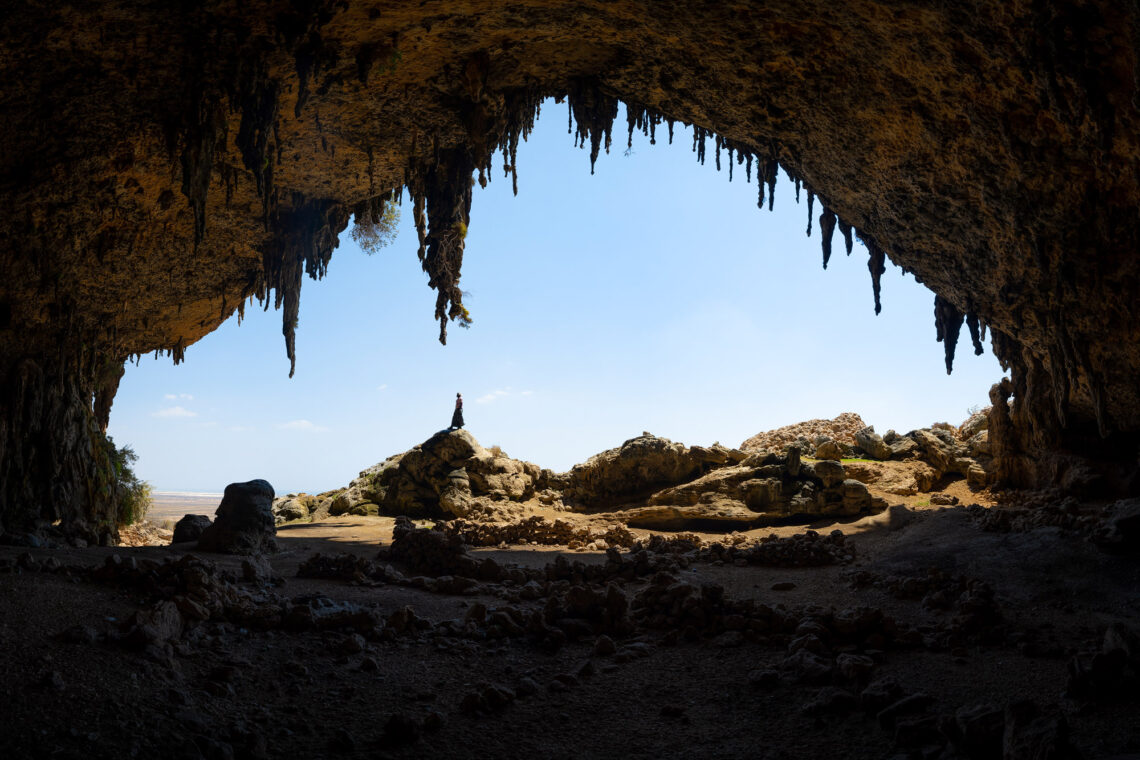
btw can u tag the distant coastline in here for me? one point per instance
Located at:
(172, 505)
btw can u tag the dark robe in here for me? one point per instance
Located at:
(457, 416)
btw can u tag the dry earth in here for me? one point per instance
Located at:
(815, 684)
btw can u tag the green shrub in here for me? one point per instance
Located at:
(135, 495)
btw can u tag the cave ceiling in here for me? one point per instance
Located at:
(163, 163)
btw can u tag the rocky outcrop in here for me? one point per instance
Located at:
(872, 444)
(761, 489)
(448, 475)
(293, 507)
(839, 431)
(243, 522)
(636, 469)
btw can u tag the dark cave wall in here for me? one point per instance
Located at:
(162, 164)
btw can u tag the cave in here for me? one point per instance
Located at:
(164, 171)
(166, 166)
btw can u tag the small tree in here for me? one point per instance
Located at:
(372, 235)
(135, 494)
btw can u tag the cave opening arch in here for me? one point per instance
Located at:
(164, 164)
(713, 321)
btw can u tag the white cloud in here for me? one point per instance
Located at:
(303, 425)
(382, 387)
(210, 424)
(177, 396)
(174, 411)
(495, 395)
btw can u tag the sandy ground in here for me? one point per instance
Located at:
(238, 692)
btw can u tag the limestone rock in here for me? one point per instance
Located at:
(632, 471)
(903, 448)
(872, 443)
(189, 528)
(934, 450)
(294, 507)
(243, 521)
(978, 422)
(979, 445)
(830, 472)
(828, 450)
(842, 430)
(856, 497)
(976, 476)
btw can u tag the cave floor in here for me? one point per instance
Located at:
(73, 689)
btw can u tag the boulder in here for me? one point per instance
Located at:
(829, 450)
(934, 450)
(189, 528)
(871, 443)
(907, 478)
(864, 472)
(977, 422)
(976, 477)
(856, 497)
(903, 448)
(829, 472)
(979, 445)
(294, 507)
(243, 521)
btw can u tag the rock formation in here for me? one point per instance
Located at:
(244, 521)
(164, 165)
(646, 482)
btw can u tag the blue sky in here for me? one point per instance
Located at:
(651, 296)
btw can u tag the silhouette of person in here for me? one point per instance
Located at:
(457, 415)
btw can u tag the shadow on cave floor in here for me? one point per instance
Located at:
(231, 691)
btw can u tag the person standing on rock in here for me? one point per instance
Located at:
(457, 415)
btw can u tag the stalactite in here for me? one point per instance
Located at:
(845, 230)
(976, 336)
(826, 229)
(730, 158)
(205, 127)
(443, 183)
(811, 212)
(304, 238)
(877, 265)
(594, 112)
(718, 144)
(256, 95)
(796, 182)
(748, 168)
(947, 326)
(522, 109)
(771, 170)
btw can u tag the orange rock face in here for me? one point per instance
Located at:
(163, 164)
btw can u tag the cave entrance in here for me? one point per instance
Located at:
(653, 295)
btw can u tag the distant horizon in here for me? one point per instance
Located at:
(653, 295)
